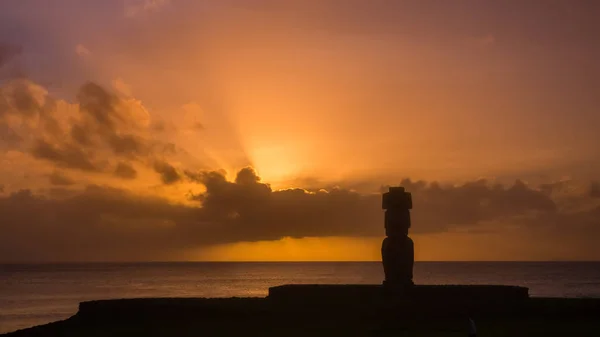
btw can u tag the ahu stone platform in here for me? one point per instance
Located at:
(418, 297)
(319, 301)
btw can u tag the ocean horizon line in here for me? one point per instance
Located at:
(282, 261)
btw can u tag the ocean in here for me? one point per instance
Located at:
(37, 294)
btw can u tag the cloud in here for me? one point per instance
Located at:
(168, 173)
(109, 120)
(109, 223)
(134, 8)
(127, 145)
(94, 223)
(59, 179)
(120, 86)
(94, 134)
(8, 136)
(248, 203)
(27, 114)
(23, 98)
(101, 133)
(82, 50)
(80, 135)
(125, 171)
(65, 156)
(99, 105)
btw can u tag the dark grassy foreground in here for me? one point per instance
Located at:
(342, 317)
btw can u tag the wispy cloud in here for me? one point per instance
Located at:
(82, 50)
(136, 7)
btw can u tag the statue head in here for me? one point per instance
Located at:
(397, 204)
(397, 198)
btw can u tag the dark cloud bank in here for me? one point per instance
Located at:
(103, 223)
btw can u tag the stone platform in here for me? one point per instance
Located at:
(428, 294)
(322, 301)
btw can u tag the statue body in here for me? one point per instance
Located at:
(398, 259)
(397, 249)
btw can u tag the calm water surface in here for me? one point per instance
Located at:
(37, 294)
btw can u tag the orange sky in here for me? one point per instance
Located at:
(336, 95)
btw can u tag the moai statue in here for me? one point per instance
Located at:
(397, 249)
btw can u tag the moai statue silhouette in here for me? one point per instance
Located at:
(397, 249)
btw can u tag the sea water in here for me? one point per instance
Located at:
(38, 294)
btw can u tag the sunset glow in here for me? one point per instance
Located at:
(265, 130)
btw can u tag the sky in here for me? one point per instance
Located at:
(240, 130)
